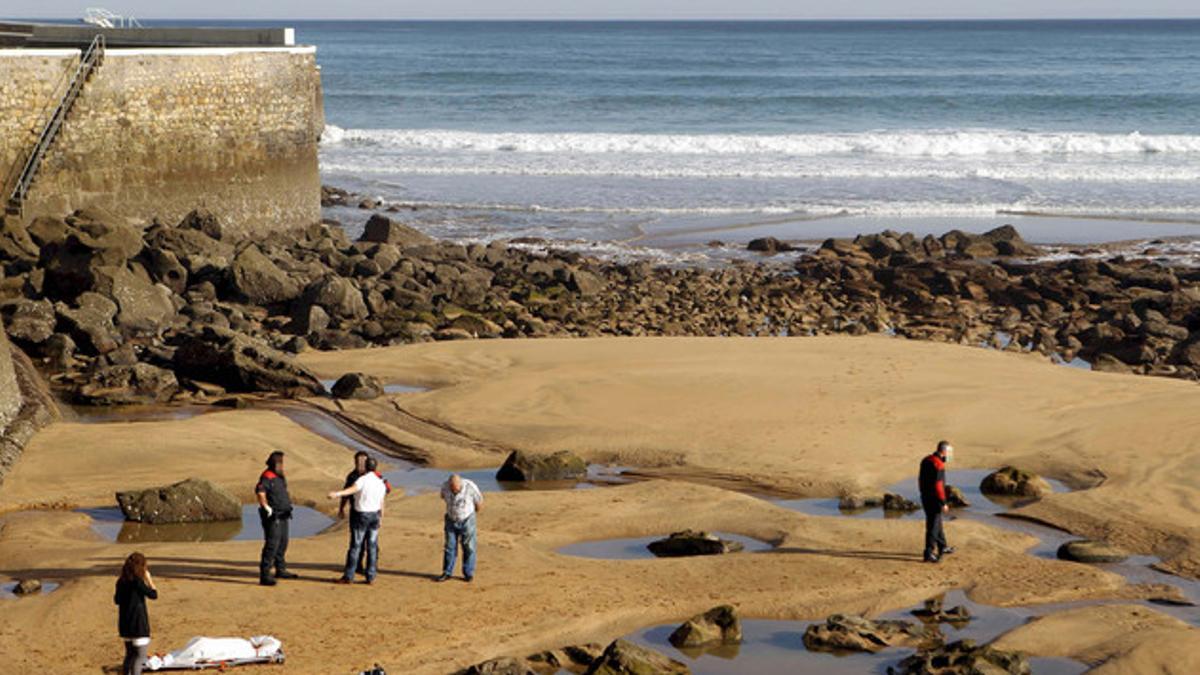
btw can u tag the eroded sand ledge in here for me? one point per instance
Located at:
(808, 417)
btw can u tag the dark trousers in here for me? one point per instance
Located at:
(135, 658)
(275, 543)
(364, 536)
(361, 568)
(935, 536)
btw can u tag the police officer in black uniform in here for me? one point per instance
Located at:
(275, 510)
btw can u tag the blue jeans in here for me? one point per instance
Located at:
(364, 528)
(457, 533)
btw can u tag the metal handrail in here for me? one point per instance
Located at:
(87, 63)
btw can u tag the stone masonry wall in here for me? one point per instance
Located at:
(157, 133)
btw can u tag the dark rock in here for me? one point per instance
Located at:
(1088, 551)
(585, 283)
(202, 221)
(850, 633)
(241, 363)
(165, 268)
(384, 230)
(692, 542)
(955, 498)
(505, 665)
(626, 658)
(259, 281)
(309, 319)
(769, 245)
(357, 386)
(45, 230)
(191, 501)
(128, 384)
(90, 323)
(27, 587)
(142, 307)
(337, 296)
(29, 322)
(963, 658)
(894, 502)
(522, 466)
(71, 267)
(934, 612)
(1013, 482)
(717, 625)
(859, 502)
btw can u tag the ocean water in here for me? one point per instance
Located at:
(670, 134)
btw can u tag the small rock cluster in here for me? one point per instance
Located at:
(621, 657)
(692, 542)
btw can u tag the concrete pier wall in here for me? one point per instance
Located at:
(157, 133)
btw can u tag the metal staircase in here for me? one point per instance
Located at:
(88, 64)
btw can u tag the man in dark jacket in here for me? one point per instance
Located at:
(274, 510)
(932, 481)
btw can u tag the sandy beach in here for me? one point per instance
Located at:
(713, 428)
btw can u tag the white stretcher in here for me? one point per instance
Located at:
(201, 653)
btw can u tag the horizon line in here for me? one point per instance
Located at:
(548, 19)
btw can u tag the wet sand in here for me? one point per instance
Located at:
(799, 418)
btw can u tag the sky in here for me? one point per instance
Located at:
(609, 9)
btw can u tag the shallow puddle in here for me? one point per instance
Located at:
(778, 646)
(111, 524)
(387, 388)
(634, 548)
(994, 511)
(6, 590)
(136, 413)
(421, 480)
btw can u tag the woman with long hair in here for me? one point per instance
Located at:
(133, 587)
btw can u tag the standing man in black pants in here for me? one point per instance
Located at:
(932, 481)
(275, 510)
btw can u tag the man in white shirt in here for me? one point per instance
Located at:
(463, 501)
(368, 492)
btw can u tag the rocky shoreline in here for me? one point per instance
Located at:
(116, 314)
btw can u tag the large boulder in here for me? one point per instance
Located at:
(357, 386)
(143, 307)
(719, 625)
(963, 658)
(191, 501)
(128, 384)
(524, 466)
(337, 296)
(241, 363)
(850, 633)
(1088, 551)
(259, 281)
(1010, 481)
(203, 221)
(29, 322)
(200, 254)
(90, 323)
(692, 542)
(626, 658)
(72, 266)
(383, 230)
